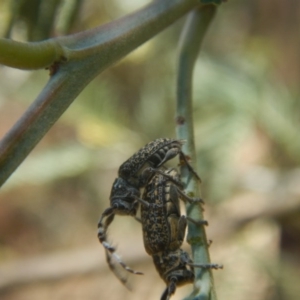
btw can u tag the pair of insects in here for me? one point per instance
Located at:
(162, 224)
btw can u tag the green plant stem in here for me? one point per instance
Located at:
(107, 41)
(30, 56)
(88, 53)
(190, 42)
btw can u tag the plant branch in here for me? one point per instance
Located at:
(87, 53)
(149, 20)
(190, 42)
(30, 56)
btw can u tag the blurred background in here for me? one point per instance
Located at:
(247, 124)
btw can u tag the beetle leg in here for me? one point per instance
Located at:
(182, 222)
(205, 266)
(119, 260)
(138, 219)
(182, 157)
(197, 222)
(188, 198)
(170, 289)
(171, 153)
(142, 201)
(110, 250)
(102, 228)
(112, 267)
(148, 172)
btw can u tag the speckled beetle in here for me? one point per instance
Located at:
(163, 225)
(164, 230)
(133, 175)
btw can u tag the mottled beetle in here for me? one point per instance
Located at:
(163, 225)
(133, 175)
(164, 230)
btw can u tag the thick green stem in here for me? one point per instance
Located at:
(125, 33)
(191, 40)
(30, 56)
(88, 54)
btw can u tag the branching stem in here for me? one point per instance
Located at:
(190, 42)
(87, 54)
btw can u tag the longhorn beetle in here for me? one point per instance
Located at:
(163, 226)
(133, 175)
(164, 230)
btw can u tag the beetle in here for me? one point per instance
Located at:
(164, 230)
(162, 224)
(134, 174)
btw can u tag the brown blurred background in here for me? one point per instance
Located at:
(247, 123)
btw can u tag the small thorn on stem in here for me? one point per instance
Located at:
(180, 120)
